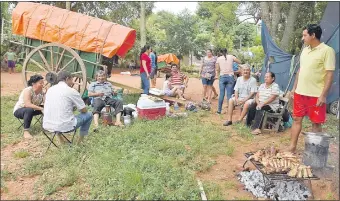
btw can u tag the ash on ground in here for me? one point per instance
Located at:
(285, 190)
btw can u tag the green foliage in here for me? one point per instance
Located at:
(21, 154)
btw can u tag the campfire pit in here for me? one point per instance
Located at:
(269, 178)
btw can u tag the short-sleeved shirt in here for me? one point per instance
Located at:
(10, 56)
(314, 62)
(105, 87)
(58, 108)
(226, 64)
(266, 92)
(153, 60)
(245, 87)
(209, 66)
(146, 58)
(177, 78)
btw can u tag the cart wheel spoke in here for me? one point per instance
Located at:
(45, 61)
(51, 49)
(60, 59)
(79, 72)
(68, 63)
(37, 64)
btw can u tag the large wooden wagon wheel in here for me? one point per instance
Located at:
(50, 59)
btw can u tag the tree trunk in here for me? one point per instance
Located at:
(142, 24)
(68, 5)
(265, 13)
(276, 18)
(288, 32)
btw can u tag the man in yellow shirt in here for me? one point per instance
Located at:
(312, 83)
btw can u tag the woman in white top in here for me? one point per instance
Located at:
(29, 102)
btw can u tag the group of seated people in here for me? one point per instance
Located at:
(61, 100)
(253, 100)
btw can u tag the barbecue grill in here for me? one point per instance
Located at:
(269, 178)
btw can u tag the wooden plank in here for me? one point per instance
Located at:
(137, 90)
(133, 89)
(203, 196)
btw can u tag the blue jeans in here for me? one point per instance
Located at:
(207, 82)
(145, 83)
(226, 84)
(84, 122)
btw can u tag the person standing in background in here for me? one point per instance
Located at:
(153, 74)
(10, 58)
(145, 68)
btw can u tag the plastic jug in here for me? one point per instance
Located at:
(127, 120)
(176, 107)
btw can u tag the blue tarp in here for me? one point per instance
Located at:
(282, 62)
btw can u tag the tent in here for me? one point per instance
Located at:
(282, 63)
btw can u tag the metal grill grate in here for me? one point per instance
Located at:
(277, 176)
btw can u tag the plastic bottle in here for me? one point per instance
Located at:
(167, 112)
(176, 107)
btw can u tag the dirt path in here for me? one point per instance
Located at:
(11, 84)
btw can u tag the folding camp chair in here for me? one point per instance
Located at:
(38, 118)
(273, 120)
(74, 130)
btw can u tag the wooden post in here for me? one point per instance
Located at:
(68, 5)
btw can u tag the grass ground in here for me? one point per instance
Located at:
(147, 160)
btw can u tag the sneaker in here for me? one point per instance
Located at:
(227, 123)
(218, 112)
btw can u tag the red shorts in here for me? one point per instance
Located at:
(306, 105)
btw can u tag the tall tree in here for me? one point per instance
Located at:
(288, 32)
(142, 24)
(276, 18)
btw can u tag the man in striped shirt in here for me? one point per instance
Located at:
(178, 79)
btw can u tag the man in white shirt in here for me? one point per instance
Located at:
(245, 89)
(58, 108)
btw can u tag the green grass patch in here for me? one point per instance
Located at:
(230, 185)
(213, 191)
(243, 131)
(21, 154)
(147, 160)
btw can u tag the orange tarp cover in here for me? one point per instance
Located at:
(168, 58)
(75, 30)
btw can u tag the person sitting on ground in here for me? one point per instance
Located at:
(267, 99)
(102, 91)
(61, 101)
(178, 79)
(29, 103)
(245, 89)
(171, 91)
